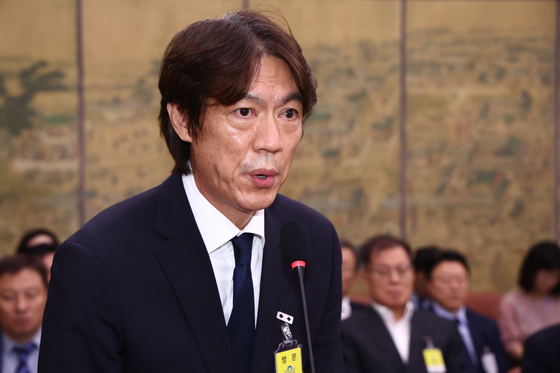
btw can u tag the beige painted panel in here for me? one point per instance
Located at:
(480, 128)
(347, 163)
(124, 43)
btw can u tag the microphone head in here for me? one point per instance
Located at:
(294, 241)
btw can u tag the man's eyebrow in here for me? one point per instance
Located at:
(292, 96)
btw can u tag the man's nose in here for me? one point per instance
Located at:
(268, 134)
(21, 303)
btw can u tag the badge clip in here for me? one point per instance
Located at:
(288, 355)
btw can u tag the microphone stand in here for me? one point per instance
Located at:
(299, 271)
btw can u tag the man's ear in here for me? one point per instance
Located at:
(179, 122)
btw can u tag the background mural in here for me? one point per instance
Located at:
(479, 123)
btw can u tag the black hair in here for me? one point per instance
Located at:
(446, 256)
(381, 242)
(29, 235)
(15, 263)
(354, 249)
(424, 256)
(542, 255)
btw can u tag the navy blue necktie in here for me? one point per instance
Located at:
(22, 355)
(241, 325)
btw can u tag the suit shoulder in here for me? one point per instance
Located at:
(548, 335)
(431, 320)
(477, 318)
(358, 319)
(294, 210)
(139, 209)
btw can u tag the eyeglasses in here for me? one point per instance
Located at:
(384, 272)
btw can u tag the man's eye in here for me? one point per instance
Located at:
(244, 112)
(291, 113)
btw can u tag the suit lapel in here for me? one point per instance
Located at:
(274, 284)
(185, 260)
(415, 358)
(383, 339)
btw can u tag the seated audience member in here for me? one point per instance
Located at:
(391, 336)
(350, 266)
(45, 252)
(542, 351)
(37, 237)
(23, 293)
(536, 303)
(448, 287)
(423, 257)
(40, 242)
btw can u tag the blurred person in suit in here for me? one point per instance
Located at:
(35, 237)
(41, 242)
(391, 336)
(23, 293)
(535, 304)
(422, 258)
(350, 267)
(542, 351)
(45, 252)
(448, 287)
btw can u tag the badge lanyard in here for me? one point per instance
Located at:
(288, 355)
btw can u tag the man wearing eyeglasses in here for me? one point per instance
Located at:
(390, 336)
(448, 286)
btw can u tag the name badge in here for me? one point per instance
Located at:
(288, 355)
(434, 360)
(289, 361)
(489, 362)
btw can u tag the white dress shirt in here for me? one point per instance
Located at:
(398, 329)
(217, 231)
(346, 309)
(10, 360)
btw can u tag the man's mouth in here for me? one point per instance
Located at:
(263, 178)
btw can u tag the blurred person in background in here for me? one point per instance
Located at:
(541, 351)
(41, 242)
(23, 293)
(447, 278)
(422, 260)
(350, 266)
(390, 335)
(45, 252)
(536, 303)
(36, 237)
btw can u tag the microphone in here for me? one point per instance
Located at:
(295, 246)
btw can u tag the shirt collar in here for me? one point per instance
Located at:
(461, 315)
(387, 314)
(9, 343)
(215, 228)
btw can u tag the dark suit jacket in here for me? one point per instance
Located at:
(485, 333)
(134, 291)
(542, 351)
(357, 307)
(368, 347)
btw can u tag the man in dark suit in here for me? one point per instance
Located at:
(23, 292)
(189, 276)
(350, 267)
(448, 287)
(541, 351)
(391, 336)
